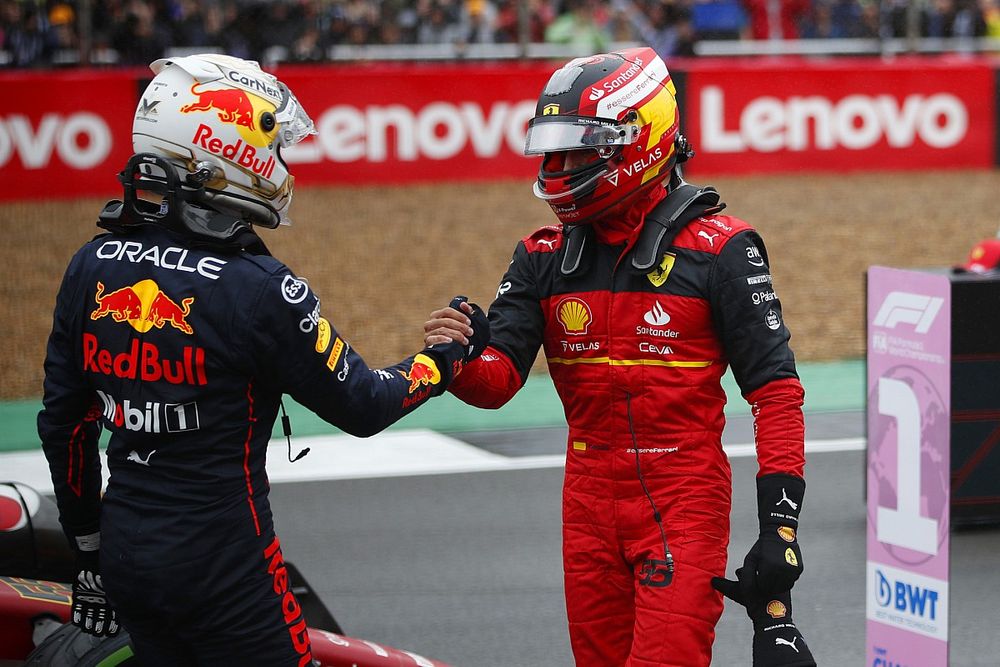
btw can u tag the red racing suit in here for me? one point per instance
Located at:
(637, 359)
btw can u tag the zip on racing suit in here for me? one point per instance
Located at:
(636, 358)
(184, 352)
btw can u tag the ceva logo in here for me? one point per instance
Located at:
(908, 308)
(768, 124)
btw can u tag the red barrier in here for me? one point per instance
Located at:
(837, 115)
(68, 133)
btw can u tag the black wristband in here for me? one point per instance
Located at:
(779, 500)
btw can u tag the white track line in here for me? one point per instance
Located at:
(389, 454)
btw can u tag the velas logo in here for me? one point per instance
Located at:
(574, 315)
(423, 371)
(243, 154)
(144, 306)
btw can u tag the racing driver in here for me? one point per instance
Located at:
(641, 297)
(179, 332)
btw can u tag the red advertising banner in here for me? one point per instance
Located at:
(67, 133)
(396, 124)
(64, 134)
(782, 116)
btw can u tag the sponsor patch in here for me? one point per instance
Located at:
(790, 557)
(574, 315)
(423, 371)
(323, 331)
(786, 533)
(294, 290)
(776, 609)
(338, 347)
(659, 275)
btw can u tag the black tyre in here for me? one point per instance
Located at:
(69, 646)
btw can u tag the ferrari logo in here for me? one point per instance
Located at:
(550, 110)
(790, 557)
(658, 276)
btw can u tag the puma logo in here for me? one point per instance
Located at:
(778, 641)
(134, 457)
(785, 499)
(549, 242)
(708, 237)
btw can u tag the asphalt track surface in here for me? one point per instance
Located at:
(466, 568)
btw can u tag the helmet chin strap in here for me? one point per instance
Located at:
(179, 208)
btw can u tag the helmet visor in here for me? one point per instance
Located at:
(293, 121)
(547, 134)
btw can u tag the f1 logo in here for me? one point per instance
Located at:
(908, 308)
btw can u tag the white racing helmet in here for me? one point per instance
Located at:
(221, 122)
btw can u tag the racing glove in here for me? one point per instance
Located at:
(480, 337)
(451, 357)
(774, 562)
(777, 642)
(91, 610)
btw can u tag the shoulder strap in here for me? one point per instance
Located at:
(576, 239)
(684, 203)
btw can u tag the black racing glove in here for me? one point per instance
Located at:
(777, 642)
(774, 562)
(451, 357)
(92, 612)
(480, 337)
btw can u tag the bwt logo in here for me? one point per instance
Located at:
(908, 308)
(905, 597)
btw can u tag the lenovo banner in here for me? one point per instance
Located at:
(396, 124)
(67, 133)
(838, 115)
(909, 459)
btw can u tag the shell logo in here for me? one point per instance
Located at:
(786, 533)
(776, 609)
(574, 315)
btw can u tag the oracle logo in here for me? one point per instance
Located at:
(81, 140)
(438, 131)
(768, 124)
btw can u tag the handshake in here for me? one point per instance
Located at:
(463, 324)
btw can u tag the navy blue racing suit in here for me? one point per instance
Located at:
(184, 352)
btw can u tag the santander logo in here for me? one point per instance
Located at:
(596, 94)
(656, 315)
(856, 122)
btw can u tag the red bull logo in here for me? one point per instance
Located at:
(144, 361)
(240, 152)
(423, 372)
(234, 105)
(144, 306)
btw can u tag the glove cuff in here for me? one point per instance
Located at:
(779, 500)
(449, 359)
(90, 542)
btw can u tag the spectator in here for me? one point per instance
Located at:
(140, 39)
(438, 25)
(775, 19)
(578, 27)
(718, 19)
(477, 21)
(664, 25)
(27, 37)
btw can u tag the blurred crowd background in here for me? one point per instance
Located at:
(52, 33)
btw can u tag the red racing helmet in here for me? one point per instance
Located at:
(621, 108)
